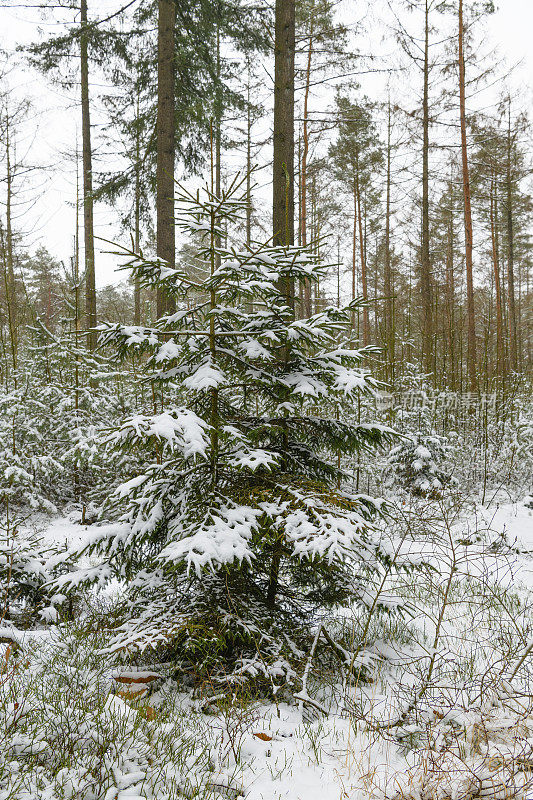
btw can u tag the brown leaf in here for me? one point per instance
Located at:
(129, 696)
(263, 736)
(131, 677)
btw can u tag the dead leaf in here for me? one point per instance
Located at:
(148, 712)
(129, 677)
(135, 695)
(263, 736)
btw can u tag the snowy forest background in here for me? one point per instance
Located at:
(266, 428)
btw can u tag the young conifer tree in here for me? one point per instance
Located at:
(234, 534)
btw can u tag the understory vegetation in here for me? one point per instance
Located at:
(266, 401)
(266, 577)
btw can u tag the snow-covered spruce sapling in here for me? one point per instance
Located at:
(235, 536)
(67, 397)
(27, 567)
(418, 465)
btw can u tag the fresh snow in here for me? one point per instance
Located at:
(288, 752)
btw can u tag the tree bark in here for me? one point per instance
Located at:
(497, 285)
(283, 164)
(137, 214)
(248, 161)
(387, 279)
(88, 221)
(9, 261)
(283, 187)
(354, 249)
(165, 145)
(425, 261)
(305, 151)
(362, 255)
(450, 283)
(471, 318)
(511, 306)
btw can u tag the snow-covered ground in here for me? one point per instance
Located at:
(296, 752)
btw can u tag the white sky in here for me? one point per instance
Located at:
(55, 117)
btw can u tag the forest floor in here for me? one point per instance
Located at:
(69, 733)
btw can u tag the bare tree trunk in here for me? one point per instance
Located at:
(283, 164)
(450, 283)
(88, 222)
(248, 163)
(471, 318)
(218, 139)
(425, 261)
(305, 151)
(77, 314)
(137, 213)
(165, 145)
(387, 281)
(500, 368)
(364, 281)
(510, 254)
(9, 261)
(283, 186)
(218, 128)
(354, 248)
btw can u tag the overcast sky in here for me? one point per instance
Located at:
(55, 116)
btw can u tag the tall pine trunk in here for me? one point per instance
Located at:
(307, 310)
(425, 260)
(500, 369)
(88, 221)
(137, 214)
(362, 256)
(283, 162)
(248, 161)
(283, 182)
(387, 278)
(450, 290)
(9, 261)
(469, 246)
(511, 304)
(165, 144)
(354, 249)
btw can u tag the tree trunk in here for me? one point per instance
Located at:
(165, 145)
(425, 261)
(305, 151)
(137, 214)
(510, 254)
(364, 281)
(471, 319)
(218, 126)
(9, 261)
(283, 185)
(450, 283)
(248, 163)
(354, 249)
(283, 165)
(88, 223)
(497, 286)
(218, 141)
(387, 281)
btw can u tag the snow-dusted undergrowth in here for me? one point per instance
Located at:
(446, 712)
